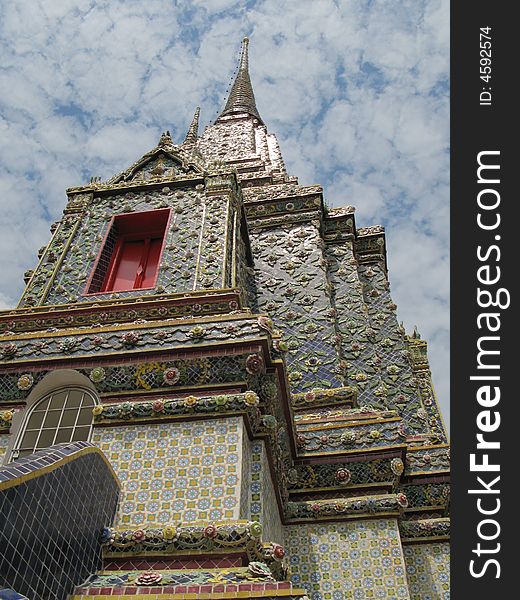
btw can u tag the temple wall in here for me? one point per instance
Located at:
(79, 238)
(229, 139)
(264, 507)
(176, 472)
(428, 571)
(352, 319)
(294, 290)
(340, 561)
(4, 441)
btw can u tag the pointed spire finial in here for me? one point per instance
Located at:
(166, 139)
(193, 131)
(241, 98)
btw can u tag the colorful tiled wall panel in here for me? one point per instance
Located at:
(176, 472)
(4, 440)
(264, 507)
(352, 560)
(428, 570)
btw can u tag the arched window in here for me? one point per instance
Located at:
(63, 415)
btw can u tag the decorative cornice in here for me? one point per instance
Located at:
(168, 409)
(345, 397)
(207, 538)
(120, 310)
(346, 508)
(424, 530)
(344, 475)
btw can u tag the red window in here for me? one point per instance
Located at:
(130, 256)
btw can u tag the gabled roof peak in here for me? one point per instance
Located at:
(241, 98)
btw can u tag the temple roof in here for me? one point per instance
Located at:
(242, 98)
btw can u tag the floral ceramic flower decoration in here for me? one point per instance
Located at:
(9, 350)
(157, 406)
(171, 376)
(6, 416)
(343, 476)
(402, 500)
(254, 364)
(397, 466)
(98, 410)
(169, 532)
(422, 414)
(130, 338)
(278, 551)
(148, 578)
(190, 401)
(139, 535)
(125, 410)
(210, 532)
(69, 345)
(251, 398)
(97, 374)
(269, 421)
(301, 440)
(259, 569)
(348, 438)
(97, 341)
(197, 332)
(265, 323)
(281, 345)
(255, 529)
(25, 382)
(107, 535)
(295, 376)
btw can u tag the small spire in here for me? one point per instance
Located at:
(241, 97)
(193, 131)
(166, 139)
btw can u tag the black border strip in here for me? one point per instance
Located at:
(477, 128)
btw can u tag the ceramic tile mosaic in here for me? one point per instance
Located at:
(245, 492)
(343, 561)
(263, 500)
(428, 571)
(4, 441)
(176, 471)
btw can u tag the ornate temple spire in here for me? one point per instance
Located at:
(241, 99)
(193, 131)
(166, 140)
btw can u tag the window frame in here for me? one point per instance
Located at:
(24, 429)
(159, 232)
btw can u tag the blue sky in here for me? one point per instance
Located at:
(356, 92)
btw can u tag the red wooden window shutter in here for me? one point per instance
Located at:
(130, 256)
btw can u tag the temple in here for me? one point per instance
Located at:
(205, 373)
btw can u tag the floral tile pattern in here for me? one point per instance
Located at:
(428, 570)
(176, 471)
(264, 507)
(4, 440)
(340, 561)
